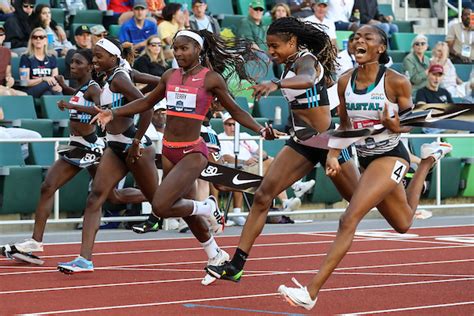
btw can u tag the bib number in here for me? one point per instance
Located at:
(181, 99)
(398, 171)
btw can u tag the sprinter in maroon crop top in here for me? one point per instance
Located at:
(202, 58)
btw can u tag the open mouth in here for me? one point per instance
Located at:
(360, 51)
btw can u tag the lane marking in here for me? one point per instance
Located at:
(239, 309)
(379, 234)
(469, 240)
(415, 308)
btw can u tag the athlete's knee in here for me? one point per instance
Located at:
(48, 188)
(95, 199)
(403, 227)
(161, 208)
(347, 222)
(262, 199)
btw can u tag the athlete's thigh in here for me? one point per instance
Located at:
(145, 174)
(109, 172)
(287, 167)
(394, 205)
(60, 173)
(376, 183)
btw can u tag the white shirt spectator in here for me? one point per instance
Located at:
(331, 28)
(248, 148)
(340, 10)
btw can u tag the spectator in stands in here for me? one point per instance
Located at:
(451, 81)
(320, 8)
(299, 8)
(200, 21)
(82, 38)
(138, 29)
(18, 26)
(174, 21)
(369, 14)
(346, 58)
(252, 27)
(98, 31)
(416, 63)
(123, 11)
(152, 60)
(247, 159)
(14, 132)
(340, 12)
(460, 39)
(6, 10)
(280, 10)
(433, 93)
(6, 78)
(38, 68)
(155, 7)
(58, 43)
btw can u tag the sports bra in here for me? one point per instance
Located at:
(78, 99)
(110, 99)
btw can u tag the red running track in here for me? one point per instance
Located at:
(427, 272)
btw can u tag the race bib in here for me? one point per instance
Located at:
(466, 50)
(398, 171)
(181, 99)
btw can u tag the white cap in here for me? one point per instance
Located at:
(160, 105)
(226, 116)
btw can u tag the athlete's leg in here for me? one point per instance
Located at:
(346, 180)
(145, 174)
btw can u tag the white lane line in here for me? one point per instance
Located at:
(238, 297)
(414, 308)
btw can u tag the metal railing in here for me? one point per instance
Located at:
(56, 218)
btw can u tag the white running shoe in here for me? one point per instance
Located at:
(437, 150)
(302, 187)
(297, 296)
(423, 214)
(29, 245)
(239, 220)
(291, 204)
(216, 218)
(218, 260)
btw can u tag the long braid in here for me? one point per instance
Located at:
(310, 36)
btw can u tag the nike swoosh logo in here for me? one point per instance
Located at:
(196, 79)
(187, 151)
(237, 181)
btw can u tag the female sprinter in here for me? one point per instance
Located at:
(123, 153)
(383, 157)
(189, 91)
(309, 58)
(84, 152)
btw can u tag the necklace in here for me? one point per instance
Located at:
(186, 72)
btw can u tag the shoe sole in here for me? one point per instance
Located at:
(289, 300)
(28, 258)
(72, 271)
(208, 279)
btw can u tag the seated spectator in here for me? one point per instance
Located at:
(82, 38)
(37, 68)
(299, 8)
(433, 93)
(58, 43)
(200, 20)
(460, 40)
(346, 58)
(14, 132)
(252, 27)
(152, 60)
(97, 32)
(416, 63)
(340, 12)
(451, 81)
(6, 10)
(122, 12)
(138, 29)
(6, 78)
(155, 7)
(280, 10)
(18, 27)
(320, 8)
(369, 14)
(173, 22)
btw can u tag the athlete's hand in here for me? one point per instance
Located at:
(263, 89)
(103, 117)
(269, 133)
(332, 166)
(60, 80)
(392, 123)
(62, 105)
(134, 152)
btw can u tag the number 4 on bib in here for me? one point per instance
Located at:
(398, 171)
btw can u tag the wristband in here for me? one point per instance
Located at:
(277, 82)
(136, 141)
(262, 131)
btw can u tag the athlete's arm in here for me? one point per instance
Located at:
(150, 80)
(398, 91)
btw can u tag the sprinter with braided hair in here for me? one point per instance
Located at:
(189, 91)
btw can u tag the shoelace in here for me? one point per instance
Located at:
(297, 283)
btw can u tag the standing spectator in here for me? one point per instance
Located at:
(200, 20)
(433, 93)
(451, 81)
(369, 14)
(252, 27)
(460, 40)
(6, 78)
(280, 10)
(416, 63)
(18, 27)
(57, 39)
(38, 68)
(98, 32)
(320, 8)
(174, 20)
(138, 29)
(152, 60)
(340, 12)
(346, 58)
(83, 40)
(299, 8)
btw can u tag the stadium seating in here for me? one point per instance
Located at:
(342, 36)
(217, 7)
(243, 7)
(114, 30)
(325, 191)
(243, 103)
(464, 148)
(88, 17)
(398, 67)
(265, 107)
(18, 107)
(73, 195)
(57, 14)
(397, 55)
(433, 39)
(232, 22)
(450, 178)
(464, 71)
(402, 41)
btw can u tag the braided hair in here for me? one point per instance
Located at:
(230, 57)
(309, 36)
(383, 58)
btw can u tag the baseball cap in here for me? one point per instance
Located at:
(326, 2)
(140, 4)
(436, 69)
(257, 4)
(82, 29)
(199, 1)
(160, 105)
(98, 29)
(226, 117)
(2, 28)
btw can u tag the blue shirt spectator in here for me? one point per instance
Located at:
(138, 29)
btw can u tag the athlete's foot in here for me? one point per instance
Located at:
(216, 218)
(221, 258)
(29, 245)
(77, 265)
(12, 252)
(225, 271)
(146, 227)
(435, 150)
(298, 297)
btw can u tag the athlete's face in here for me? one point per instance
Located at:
(79, 66)
(367, 45)
(103, 60)
(185, 51)
(279, 48)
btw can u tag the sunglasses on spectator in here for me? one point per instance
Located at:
(26, 6)
(155, 44)
(102, 35)
(2, 34)
(229, 124)
(258, 9)
(420, 44)
(38, 37)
